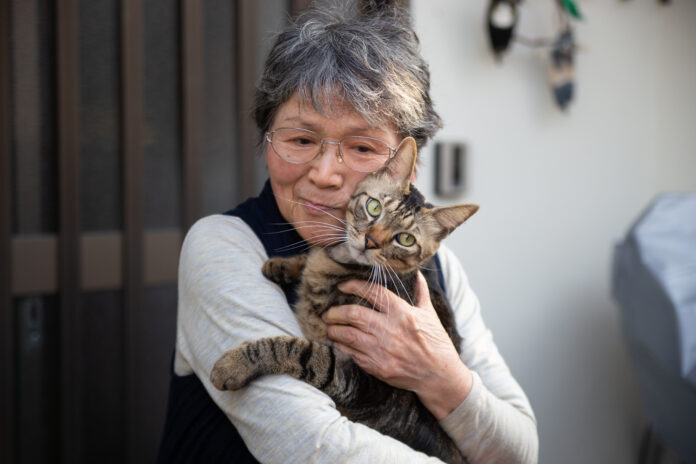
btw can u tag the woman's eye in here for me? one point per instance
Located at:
(406, 239)
(363, 149)
(374, 207)
(303, 141)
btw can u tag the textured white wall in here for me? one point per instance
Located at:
(558, 189)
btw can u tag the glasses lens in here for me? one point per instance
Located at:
(364, 154)
(295, 145)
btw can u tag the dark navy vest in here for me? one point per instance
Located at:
(195, 429)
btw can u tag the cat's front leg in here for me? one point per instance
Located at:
(305, 360)
(284, 270)
(237, 367)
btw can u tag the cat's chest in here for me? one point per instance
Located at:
(322, 274)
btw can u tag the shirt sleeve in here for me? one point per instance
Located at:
(495, 422)
(224, 300)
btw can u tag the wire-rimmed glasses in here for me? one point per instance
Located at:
(301, 146)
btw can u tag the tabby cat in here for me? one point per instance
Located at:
(392, 232)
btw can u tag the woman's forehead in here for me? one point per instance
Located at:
(328, 106)
(302, 111)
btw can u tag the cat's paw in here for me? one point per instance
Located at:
(233, 370)
(279, 271)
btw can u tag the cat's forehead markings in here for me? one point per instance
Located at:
(358, 194)
(409, 217)
(388, 201)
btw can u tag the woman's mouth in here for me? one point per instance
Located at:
(317, 208)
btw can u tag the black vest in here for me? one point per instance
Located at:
(195, 429)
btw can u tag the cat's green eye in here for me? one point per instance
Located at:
(374, 207)
(406, 239)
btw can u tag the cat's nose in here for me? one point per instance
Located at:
(370, 242)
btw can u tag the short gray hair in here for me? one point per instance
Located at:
(370, 58)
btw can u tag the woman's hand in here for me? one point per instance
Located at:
(403, 345)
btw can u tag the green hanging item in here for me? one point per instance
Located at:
(571, 8)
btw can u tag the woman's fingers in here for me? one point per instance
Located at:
(422, 292)
(357, 316)
(362, 346)
(349, 334)
(381, 298)
(365, 361)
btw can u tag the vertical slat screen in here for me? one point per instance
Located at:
(110, 284)
(131, 126)
(69, 228)
(7, 365)
(192, 111)
(297, 5)
(246, 66)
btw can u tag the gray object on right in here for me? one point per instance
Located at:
(654, 282)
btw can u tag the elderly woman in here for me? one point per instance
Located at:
(335, 74)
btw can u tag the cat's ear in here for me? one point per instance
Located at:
(451, 217)
(401, 166)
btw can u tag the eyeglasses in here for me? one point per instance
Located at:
(301, 146)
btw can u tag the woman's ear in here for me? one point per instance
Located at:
(401, 167)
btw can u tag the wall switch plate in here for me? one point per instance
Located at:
(450, 169)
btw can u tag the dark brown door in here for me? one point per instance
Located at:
(121, 123)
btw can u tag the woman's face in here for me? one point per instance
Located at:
(313, 196)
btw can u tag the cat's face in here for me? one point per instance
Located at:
(389, 222)
(387, 228)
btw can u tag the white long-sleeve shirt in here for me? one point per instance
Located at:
(224, 300)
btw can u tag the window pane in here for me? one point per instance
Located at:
(102, 363)
(33, 125)
(38, 367)
(162, 133)
(100, 162)
(220, 188)
(156, 336)
(272, 16)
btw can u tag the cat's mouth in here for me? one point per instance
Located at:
(362, 254)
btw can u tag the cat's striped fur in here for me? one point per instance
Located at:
(372, 252)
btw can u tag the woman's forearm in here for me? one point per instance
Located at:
(444, 391)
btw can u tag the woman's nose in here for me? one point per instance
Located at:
(326, 169)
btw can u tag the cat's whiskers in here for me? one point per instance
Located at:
(327, 236)
(320, 224)
(324, 230)
(340, 238)
(307, 224)
(301, 245)
(382, 296)
(330, 241)
(317, 209)
(322, 240)
(398, 279)
(426, 268)
(372, 281)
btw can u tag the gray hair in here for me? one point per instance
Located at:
(369, 58)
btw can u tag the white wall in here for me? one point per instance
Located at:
(558, 189)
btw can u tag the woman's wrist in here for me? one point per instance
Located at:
(443, 392)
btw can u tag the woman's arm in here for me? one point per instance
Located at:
(495, 423)
(224, 300)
